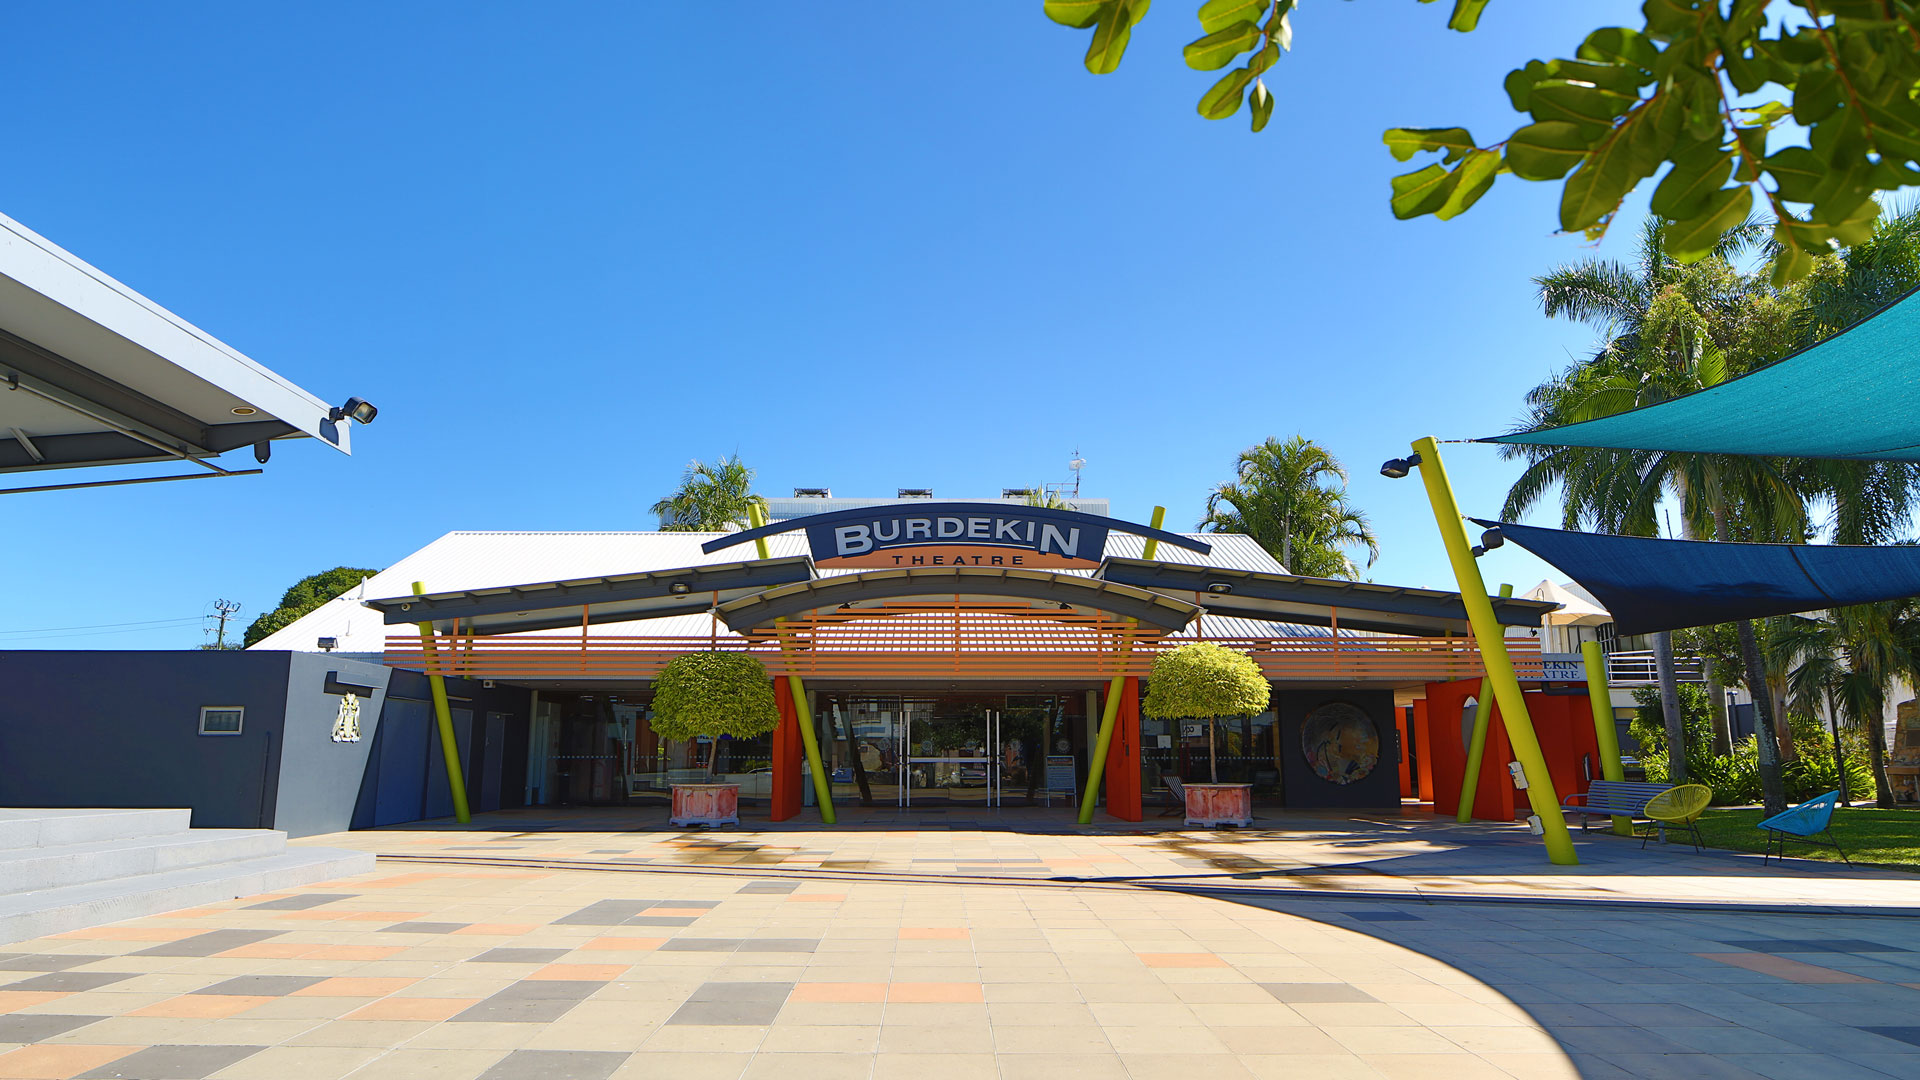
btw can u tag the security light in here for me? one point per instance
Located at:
(1395, 468)
(1220, 587)
(328, 644)
(358, 410)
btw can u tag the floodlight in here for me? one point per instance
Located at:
(358, 410)
(1492, 538)
(1396, 468)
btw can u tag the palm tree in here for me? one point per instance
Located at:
(711, 498)
(1847, 660)
(1284, 494)
(1670, 330)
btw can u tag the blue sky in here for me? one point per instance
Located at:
(566, 248)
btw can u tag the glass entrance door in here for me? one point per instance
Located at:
(950, 754)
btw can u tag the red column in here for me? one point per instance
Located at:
(1423, 750)
(1123, 755)
(786, 756)
(1401, 716)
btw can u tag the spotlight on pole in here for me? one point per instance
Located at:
(1398, 467)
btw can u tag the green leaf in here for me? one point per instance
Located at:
(1619, 45)
(1471, 179)
(1595, 189)
(1421, 192)
(1796, 173)
(1218, 49)
(1223, 99)
(1694, 239)
(1406, 142)
(1264, 59)
(1217, 15)
(1546, 151)
(1790, 264)
(1466, 15)
(1559, 99)
(1078, 14)
(1260, 103)
(1686, 187)
(1521, 81)
(1110, 34)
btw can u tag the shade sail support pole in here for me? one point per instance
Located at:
(1109, 717)
(1493, 653)
(1476, 749)
(443, 716)
(822, 791)
(1605, 733)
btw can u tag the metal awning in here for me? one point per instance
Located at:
(549, 605)
(1357, 605)
(758, 611)
(93, 373)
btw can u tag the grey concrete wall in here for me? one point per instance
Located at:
(121, 729)
(320, 779)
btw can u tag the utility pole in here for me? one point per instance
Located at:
(224, 610)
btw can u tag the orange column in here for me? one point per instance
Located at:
(786, 757)
(1123, 757)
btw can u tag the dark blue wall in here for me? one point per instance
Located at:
(122, 729)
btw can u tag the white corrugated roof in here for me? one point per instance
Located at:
(478, 560)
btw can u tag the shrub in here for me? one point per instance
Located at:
(714, 694)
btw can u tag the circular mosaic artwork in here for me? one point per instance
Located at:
(1341, 742)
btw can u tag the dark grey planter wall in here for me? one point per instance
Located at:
(121, 729)
(320, 779)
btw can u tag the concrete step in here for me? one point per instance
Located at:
(27, 828)
(51, 866)
(41, 912)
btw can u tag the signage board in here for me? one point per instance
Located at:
(905, 536)
(1563, 667)
(916, 533)
(1060, 772)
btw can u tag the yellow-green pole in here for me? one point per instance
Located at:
(1470, 779)
(822, 791)
(1493, 652)
(1604, 731)
(1477, 745)
(443, 714)
(1153, 546)
(1109, 717)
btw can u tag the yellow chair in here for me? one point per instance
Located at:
(1678, 809)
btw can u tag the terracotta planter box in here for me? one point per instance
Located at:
(1213, 805)
(705, 804)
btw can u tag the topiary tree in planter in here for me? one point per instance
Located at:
(1204, 681)
(713, 694)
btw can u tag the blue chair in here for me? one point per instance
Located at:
(1801, 825)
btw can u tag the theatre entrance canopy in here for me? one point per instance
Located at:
(945, 593)
(93, 373)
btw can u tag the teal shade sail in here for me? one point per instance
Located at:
(1855, 395)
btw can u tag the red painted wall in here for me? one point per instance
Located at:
(1123, 755)
(1562, 722)
(787, 756)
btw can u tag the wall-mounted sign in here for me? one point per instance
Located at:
(910, 537)
(1563, 667)
(957, 534)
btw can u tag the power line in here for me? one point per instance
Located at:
(100, 626)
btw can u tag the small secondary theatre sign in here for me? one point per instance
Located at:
(956, 534)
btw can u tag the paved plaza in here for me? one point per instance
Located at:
(594, 945)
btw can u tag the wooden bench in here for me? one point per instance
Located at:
(1612, 798)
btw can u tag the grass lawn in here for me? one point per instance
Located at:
(1877, 837)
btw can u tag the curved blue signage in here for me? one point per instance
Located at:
(957, 534)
